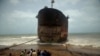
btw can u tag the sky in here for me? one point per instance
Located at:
(19, 16)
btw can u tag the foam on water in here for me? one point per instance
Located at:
(87, 40)
(17, 40)
(29, 37)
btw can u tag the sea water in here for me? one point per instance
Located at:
(92, 40)
(74, 39)
(17, 39)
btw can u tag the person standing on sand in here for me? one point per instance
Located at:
(46, 53)
(25, 51)
(28, 53)
(42, 53)
(22, 53)
(38, 52)
(10, 54)
(34, 53)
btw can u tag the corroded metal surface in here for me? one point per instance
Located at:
(52, 25)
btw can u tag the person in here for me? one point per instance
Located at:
(46, 53)
(28, 53)
(25, 50)
(10, 54)
(34, 53)
(41, 53)
(38, 52)
(22, 53)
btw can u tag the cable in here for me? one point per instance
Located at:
(16, 45)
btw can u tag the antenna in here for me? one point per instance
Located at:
(52, 1)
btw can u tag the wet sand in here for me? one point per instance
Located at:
(55, 50)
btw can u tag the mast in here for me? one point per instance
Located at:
(52, 2)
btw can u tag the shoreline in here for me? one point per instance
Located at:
(56, 50)
(63, 44)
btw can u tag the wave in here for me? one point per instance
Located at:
(84, 43)
(29, 37)
(78, 41)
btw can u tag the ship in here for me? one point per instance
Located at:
(52, 25)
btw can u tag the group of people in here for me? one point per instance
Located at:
(32, 52)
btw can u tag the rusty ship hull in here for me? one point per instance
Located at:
(52, 25)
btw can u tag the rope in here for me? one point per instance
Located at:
(16, 45)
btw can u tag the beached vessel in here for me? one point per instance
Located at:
(52, 25)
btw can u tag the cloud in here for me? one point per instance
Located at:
(19, 17)
(84, 18)
(22, 14)
(64, 3)
(14, 1)
(18, 22)
(75, 15)
(91, 11)
(73, 12)
(74, 2)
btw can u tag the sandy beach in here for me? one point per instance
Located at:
(55, 50)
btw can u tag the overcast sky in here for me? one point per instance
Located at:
(19, 16)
